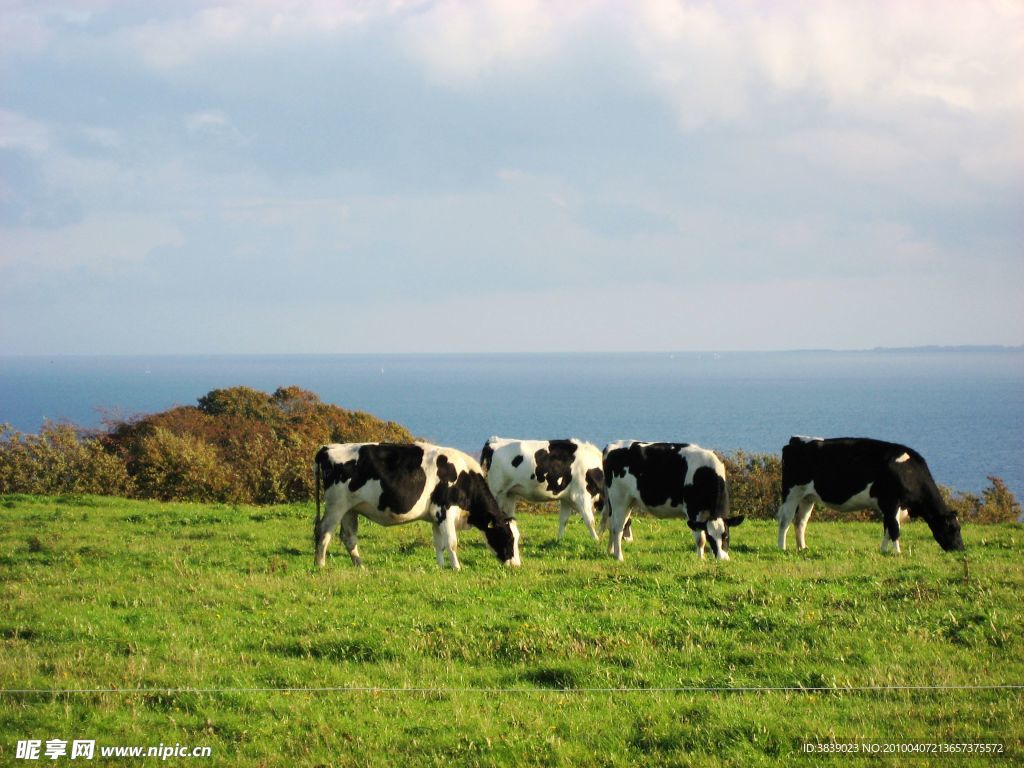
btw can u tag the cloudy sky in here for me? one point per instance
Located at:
(255, 176)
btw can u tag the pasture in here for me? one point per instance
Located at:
(512, 667)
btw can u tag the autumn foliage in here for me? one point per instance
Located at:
(235, 445)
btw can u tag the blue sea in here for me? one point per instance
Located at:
(963, 409)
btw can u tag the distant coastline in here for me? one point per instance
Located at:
(958, 349)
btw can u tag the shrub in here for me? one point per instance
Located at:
(261, 445)
(997, 503)
(60, 459)
(180, 467)
(755, 482)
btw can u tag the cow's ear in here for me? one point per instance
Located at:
(695, 526)
(735, 520)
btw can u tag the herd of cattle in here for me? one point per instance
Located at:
(395, 483)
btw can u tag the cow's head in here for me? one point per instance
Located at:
(929, 504)
(945, 528)
(717, 531)
(503, 538)
(502, 533)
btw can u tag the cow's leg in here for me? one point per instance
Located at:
(698, 540)
(616, 539)
(627, 530)
(891, 529)
(446, 539)
(350, 536)
(320, 556)
(803, 514)
(787, 511)
(619, 517)
(439, 544)
(452, 540)
(322, 534)
(716, 529)
(565, 510)
(585, 503)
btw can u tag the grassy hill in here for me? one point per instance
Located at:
(510, 667)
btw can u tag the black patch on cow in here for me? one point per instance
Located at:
(554, 464)
(446, 471)
(842, 467)
(517, 460)
(595, 487)
(446, 477)
(397, 466)
(486, 456)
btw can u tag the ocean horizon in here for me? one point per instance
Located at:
(960, 407)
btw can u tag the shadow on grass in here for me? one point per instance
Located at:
(558, 678)
(357, 650)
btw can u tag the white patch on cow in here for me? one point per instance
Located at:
(515, 561)
(806, 439)
(716, 530)
(860, 500)
(904, 457)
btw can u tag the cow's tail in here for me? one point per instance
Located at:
(317, 482)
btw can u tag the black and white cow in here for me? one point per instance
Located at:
(569, 471)
(855, 473)
(668, 480)
(396, 483)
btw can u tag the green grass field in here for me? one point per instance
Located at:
(100, 593)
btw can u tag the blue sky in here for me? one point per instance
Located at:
(247, 177)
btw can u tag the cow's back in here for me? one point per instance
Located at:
(842, 466)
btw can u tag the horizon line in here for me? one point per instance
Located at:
(471, 353)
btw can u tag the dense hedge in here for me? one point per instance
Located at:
(236, 445)
(243, 445)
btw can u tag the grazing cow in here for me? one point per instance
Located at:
(668, 480)
(854, 473)
(569, 471)
(395, 483)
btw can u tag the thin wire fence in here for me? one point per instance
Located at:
(469, 690)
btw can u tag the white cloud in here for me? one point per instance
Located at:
(462, 41)
(183, 41)
(99, 242)
(20, 132)
(711, 61)
(215, 125)
(210, 121)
